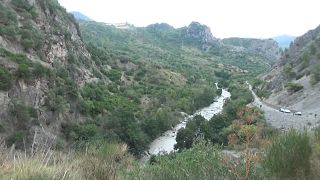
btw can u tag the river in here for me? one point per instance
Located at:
(166, 142)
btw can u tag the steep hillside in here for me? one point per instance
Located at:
(43, 64)
(294, 81)
(264, 47)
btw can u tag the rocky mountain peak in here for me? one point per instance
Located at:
(199, 32)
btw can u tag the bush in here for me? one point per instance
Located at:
(294, 87)
(5, 79)
(23, 71)
(315, 78)
(21, 115)
(114, 75)
(8, 31)
(27, 43)
(16, 138)
(202, 161)
(288, 157)
(21, 5)
(289, 72)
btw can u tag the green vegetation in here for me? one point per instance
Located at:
(133, 89)
(165, 46)
(202, 161)
(294, 87)
(289, 71)
(27, 70)
(289, 155)
(5, 79)
(217, 129)
(294, 155)
(259, 87)
(21, 116)
(315, 78)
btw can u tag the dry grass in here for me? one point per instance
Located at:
(99, 161)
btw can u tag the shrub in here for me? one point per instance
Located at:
(5, 79)
(289, 72)
(16, 138)
(294, 87)
(21, 5)
(23, 71)
(22, 115)
(27, 43)
(8, 31)
(114, 75)
(202, 161)
(315, 78)
(288, 157)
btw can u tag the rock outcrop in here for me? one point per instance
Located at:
(44, 58)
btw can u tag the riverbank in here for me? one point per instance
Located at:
(165, 143)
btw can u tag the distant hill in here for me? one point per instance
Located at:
(183, 49)
(80, 16)
(284, 40)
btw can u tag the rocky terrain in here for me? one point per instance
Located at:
(42, 62)
(264, 47)
(287, 121)
(294, 80)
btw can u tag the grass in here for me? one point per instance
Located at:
(96, 161)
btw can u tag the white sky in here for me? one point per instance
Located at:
(226, 18)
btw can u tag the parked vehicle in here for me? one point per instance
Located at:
(285, 110)
(298, 113)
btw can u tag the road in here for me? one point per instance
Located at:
(284, 121)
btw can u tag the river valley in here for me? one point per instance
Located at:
(165, 143)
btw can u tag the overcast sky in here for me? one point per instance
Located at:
(226, 18)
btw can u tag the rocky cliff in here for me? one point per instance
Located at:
(200, 35)
(43, 62)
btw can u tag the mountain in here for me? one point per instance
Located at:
(125, 87)
(264, 47)
(294, 80)
(284, 40)
(73, 82)
(80, 16)
(182, 49)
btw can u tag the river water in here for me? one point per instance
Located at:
(166, 142)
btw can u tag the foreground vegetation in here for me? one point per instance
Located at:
(292, 155)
